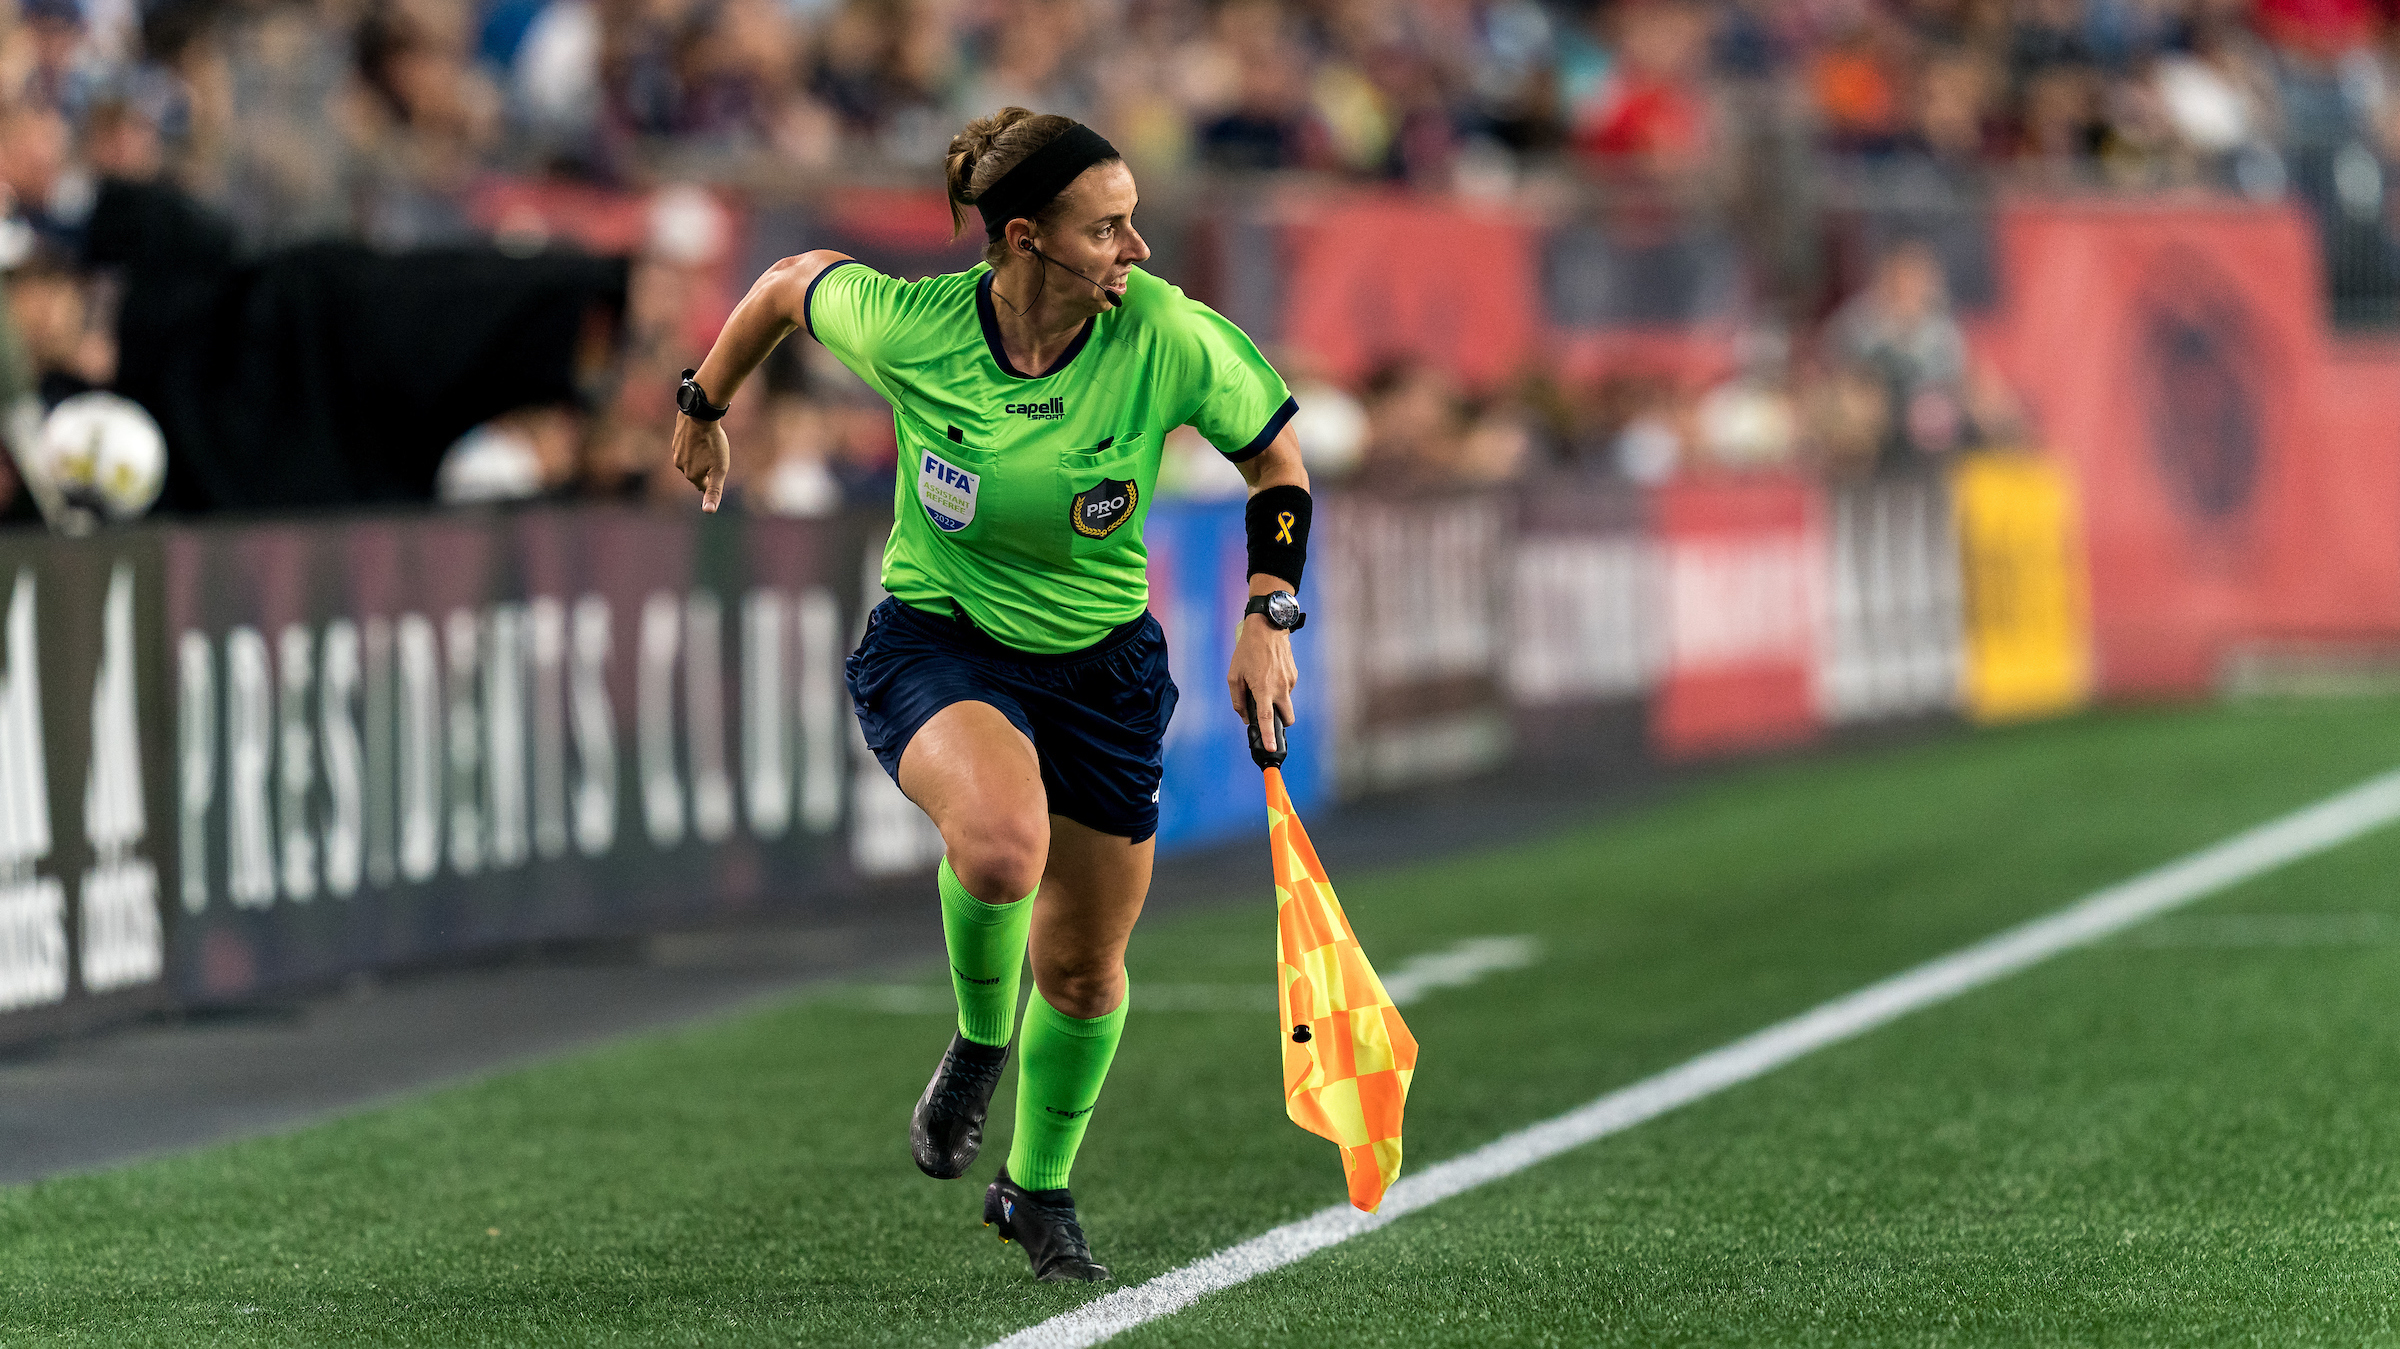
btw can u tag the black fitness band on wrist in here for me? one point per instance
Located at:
(1277, 522)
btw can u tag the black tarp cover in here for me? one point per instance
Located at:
(329, 373)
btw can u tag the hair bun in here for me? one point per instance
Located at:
(987, 148)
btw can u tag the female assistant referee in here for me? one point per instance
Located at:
(1014, 684)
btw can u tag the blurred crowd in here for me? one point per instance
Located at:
(1888, 387)
(303, 117)
(375, 120)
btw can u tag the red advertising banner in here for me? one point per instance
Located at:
(1370, 280)
(2359, 448)
(2177, 359)
(1743, 562)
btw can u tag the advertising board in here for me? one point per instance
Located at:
(1743, 563)
(85, 804)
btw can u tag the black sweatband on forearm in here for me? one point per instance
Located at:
(1277, 522)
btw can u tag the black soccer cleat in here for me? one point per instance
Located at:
(947, 1130)
(1043, 1222)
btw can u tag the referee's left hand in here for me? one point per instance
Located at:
(1262, 673)
(704, 457)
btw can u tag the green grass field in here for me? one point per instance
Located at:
(2187, 1135)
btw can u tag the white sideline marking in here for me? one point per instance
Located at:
(2313, 829)
(1464, 963)
(2239, 931)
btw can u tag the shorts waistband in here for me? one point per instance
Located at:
(961, 632)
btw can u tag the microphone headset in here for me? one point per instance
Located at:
(1113, 299)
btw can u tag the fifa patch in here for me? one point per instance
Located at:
(946, 491)
(1098, 510)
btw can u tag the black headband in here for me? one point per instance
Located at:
(1038, 178)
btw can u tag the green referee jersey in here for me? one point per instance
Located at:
(1022, 494)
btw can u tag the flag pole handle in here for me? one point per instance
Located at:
(1259, 753)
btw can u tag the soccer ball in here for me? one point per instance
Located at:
(102, 455)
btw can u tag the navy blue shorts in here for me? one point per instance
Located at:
(1097, 717)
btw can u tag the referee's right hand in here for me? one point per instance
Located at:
(703, 456)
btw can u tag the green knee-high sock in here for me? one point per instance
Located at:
(987, 949)
(1059, 1071)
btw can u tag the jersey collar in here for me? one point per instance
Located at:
(990, 318)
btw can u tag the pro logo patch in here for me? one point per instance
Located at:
(1099, 509)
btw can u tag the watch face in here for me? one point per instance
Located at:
(691, 402)
(1283, 611)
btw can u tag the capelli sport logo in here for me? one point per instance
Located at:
(1041, 412)
(1098, 510)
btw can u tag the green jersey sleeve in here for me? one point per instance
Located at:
(1231, 394)
(856, 312)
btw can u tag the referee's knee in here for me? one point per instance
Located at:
(1000, 860)
(1084, 985)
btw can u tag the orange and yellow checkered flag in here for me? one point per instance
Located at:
(1347, 1055)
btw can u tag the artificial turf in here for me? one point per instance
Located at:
(2148, 1142)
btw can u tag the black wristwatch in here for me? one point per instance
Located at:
(693, 403)
(1281, 609)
